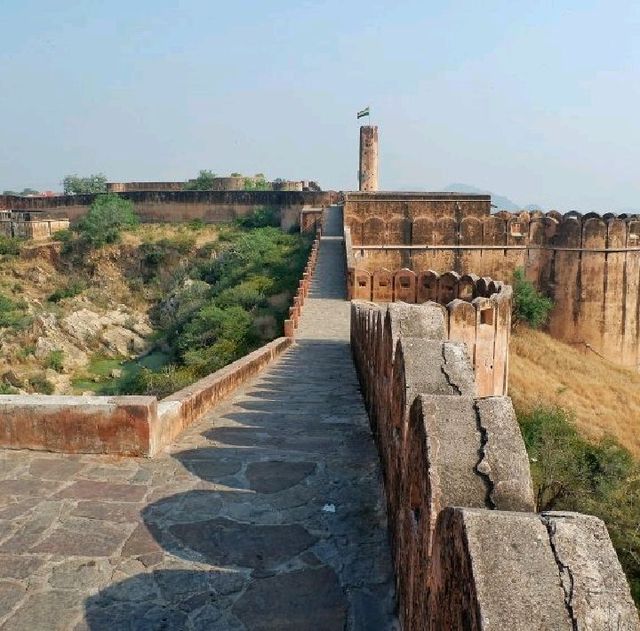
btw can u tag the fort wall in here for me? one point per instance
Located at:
(184, 206)
(235, 183)
(469, 550)
(588, 264)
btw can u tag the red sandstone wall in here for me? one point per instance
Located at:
(589, 265)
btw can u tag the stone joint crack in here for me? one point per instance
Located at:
(482, 467)
(564, 572)
(445, 372)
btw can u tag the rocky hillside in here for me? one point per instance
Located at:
(59, 313)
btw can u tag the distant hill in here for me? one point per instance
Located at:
(501, 202)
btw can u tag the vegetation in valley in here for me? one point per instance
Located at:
(126, 308)
(596, 477)
(225, 303)
(580, 419)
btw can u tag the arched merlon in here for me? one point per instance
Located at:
(441, 446)
(477, 313)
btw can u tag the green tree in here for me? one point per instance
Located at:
(597, 478)
(76, 185)
(529, 305)
(107, 217)
(204, 182)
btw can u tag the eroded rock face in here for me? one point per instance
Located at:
(84, 332)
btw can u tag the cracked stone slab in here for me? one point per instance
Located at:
(595, 588)
(521, 571)
(436, 367)
(504, 457)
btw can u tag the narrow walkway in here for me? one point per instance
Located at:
(268, 514)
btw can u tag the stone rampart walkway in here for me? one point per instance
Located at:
(268, 514)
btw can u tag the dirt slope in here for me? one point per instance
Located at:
(604, 397)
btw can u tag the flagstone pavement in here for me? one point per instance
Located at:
(266, 514)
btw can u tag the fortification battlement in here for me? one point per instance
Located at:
(469, 551)
(588, 264)
(515, 230)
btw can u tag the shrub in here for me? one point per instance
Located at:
(11, 313)
(107, 217)
(55, 360)
(41, 385)
(6, 388)
(75, 185)
(204, 182)
(529, 305)
(260, 218)
(9, 245)
(161, 383)
(72, 289)
(196, 224)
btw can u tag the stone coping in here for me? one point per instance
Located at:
(122, 425)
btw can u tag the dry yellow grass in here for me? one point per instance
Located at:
(605, 398)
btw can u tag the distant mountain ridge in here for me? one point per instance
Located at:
(501, 202)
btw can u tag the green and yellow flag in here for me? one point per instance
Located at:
(363, 113)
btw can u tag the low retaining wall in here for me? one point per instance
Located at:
(179, 410)
(491, 563)
(304, 286)
(127, 425)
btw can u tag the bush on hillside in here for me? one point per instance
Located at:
(70, 291)
(108, 216)
(263, 217)
(11, 313)
(601, 478)
(9, 245)
(55, 360)
(529, 305)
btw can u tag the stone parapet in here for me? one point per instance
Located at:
(476, 312)
(304, 286)
(442, 446)
(125, 425)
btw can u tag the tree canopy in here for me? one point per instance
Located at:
(76, 185)
(107, 217)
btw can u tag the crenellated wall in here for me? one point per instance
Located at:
(588, 264)
(477, 312)
(469, 552)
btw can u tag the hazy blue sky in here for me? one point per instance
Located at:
(538, 101)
